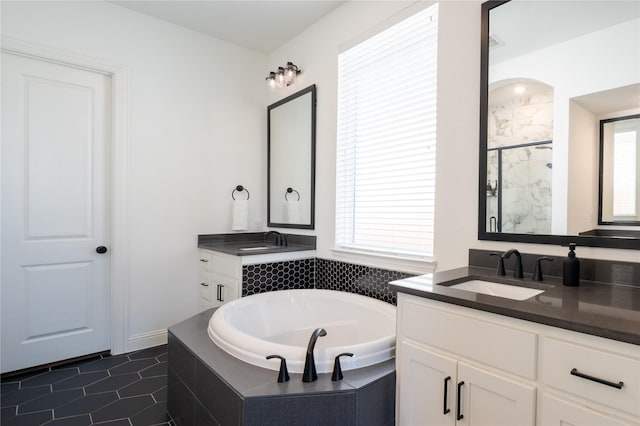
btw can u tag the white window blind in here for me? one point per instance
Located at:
(624, 173)
(386, 141)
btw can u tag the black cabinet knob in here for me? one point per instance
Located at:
(101, 249)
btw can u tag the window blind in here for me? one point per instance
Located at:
(624, 173)
(386, 139)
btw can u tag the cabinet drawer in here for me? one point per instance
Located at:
(496, 345)
(556, 412)
(560, 358)
(220, 264)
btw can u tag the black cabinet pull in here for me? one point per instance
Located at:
(446, 410)
(575, 372)
(220, 296)
(204, 284)
(460, 416)
(204, 260)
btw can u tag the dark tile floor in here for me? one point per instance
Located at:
(120, 390)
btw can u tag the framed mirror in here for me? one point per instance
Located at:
(291, 156)
(546, 84)
(619, 180)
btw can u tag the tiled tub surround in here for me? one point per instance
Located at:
(321, 274)
(288, 275)
(209, 387)
(260, 276)
(606, 304)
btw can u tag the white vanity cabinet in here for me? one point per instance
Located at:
(499, 370)
(220, 278)
(439, 378)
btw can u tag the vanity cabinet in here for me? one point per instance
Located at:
(439, 381)
(453, 361)
(220, 279)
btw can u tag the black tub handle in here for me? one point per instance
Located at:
(446, 410)
(460, 416)
(575, 372)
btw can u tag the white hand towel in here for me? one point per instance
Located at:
(240, 215)
(293, 211)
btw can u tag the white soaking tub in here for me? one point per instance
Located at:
(281, 323)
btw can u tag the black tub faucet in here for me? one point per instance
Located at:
(517, 268)
(309, 374)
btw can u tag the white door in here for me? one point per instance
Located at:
(55, 212)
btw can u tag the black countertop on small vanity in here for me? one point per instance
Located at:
(601, 309)
(234, 244)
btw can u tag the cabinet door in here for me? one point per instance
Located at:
(223, 289)
(422, 396)
(556, 412)
(490, 399)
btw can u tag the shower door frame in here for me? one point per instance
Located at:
(498, 189)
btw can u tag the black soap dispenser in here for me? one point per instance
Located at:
(571, 268)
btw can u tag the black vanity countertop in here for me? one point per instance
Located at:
(254, 243)
(606, 310)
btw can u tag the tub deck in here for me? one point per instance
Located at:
(207, 386)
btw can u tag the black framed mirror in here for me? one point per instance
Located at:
(543, 94)
(291, 160)
(619, 178)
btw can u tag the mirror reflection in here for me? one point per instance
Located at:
(620, 166)
(291, 160)
(546, 93)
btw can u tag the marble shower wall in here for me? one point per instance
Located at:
(526, 170)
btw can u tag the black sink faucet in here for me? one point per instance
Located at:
(280, 239)
(309, 374)
(517, 268)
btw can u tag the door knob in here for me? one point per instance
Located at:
(101, 249)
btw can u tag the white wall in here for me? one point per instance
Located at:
(316, 50)
(196, 131)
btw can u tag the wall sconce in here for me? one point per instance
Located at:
(284, 77)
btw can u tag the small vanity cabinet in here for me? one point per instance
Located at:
(461, 366)
(220, 278)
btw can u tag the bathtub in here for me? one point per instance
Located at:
(281, 322)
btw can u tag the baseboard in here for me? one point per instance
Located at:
(147, 340)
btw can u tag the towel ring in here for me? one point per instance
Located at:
(289, 191)
(240, 188)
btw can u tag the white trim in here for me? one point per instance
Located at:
(393, 263)
(147, 340)
(119, 271)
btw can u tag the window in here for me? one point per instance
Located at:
(386, 140)
(624, 173)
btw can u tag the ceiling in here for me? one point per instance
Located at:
(524, 26)
(262, 26)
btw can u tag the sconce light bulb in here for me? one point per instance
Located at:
(519, 90)
(280, 77)
(271, 80)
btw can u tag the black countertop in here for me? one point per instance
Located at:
(254, 243)
(605, 310)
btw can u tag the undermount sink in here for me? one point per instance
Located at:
(255, 248)
(496, 289)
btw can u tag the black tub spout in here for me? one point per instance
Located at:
(309, 374)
